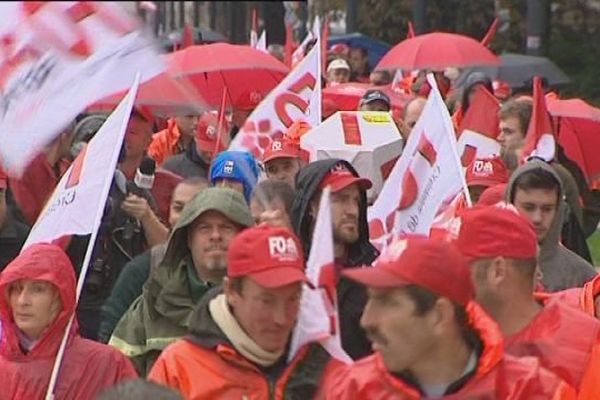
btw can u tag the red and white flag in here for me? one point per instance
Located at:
(539, 141)
(479, 128)
(57, 58)
(77, 203)
(297, 97)
(318, 316)
(425, 181)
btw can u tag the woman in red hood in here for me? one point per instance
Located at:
(37, 298)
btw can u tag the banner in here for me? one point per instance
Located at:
(297, 97)
(539, 140)
(425, 180)
(56, 59)
(77, 203)
(318, 316)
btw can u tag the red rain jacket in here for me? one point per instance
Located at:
(498, 376)
(164, 143)
(88, 367)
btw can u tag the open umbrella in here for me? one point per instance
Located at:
(572, 108)
(247, 73)
(437, 51)
(375, 48)
(347, 96)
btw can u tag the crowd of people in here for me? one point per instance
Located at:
(195, 285)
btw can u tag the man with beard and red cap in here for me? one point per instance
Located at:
(431, 340)
(350, 236)
(37, 299)
(501, 246)
(485, 172)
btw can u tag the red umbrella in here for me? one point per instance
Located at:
(437, 51)
(347, 95)
(162, 95)
(574, 108)
(248, 74)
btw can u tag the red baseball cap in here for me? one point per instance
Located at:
(496, 231)
(492, 195)
(3, 179)
(206, 133)
(486, 171)
(340, 177)
(270, 255)
(433, 264)
(281, 148)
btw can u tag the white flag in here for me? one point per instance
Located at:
(297, 97)
(425, 180)
(78, 200)
(261, 44)
(56, 58)
(318, 316)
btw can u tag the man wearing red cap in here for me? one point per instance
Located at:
(282, 161)
(484, 172)
(430, 339)
(350, 236)
(501, 246)
(12, 233)
(239, 334)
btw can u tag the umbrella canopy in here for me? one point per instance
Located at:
(247, 73)
(518, 71)
(162, 95)
(369, 140)
(580, 138)
(574, 108)
(375, 48)
(347, 96)
(437, 51)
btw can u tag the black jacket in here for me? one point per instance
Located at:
(12, 237)
(187, 164)
(350, 295)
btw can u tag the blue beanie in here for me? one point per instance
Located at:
(239, 166)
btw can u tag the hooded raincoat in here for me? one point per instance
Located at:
(161, 314)
(87, 368)
(497, 376)
(561, 268)
(351, 296)
(205, 365)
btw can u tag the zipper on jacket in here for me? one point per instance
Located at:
(271, 385)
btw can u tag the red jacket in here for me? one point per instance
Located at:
(583, 298)
(567, 342)
(164, 143)
(88, 367)
(498, 376)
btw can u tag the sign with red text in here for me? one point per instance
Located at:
(297, 97)
(425, 180)
(56, 58)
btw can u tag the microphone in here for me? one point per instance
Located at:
(142, 182)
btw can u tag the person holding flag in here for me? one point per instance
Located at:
(239, 334)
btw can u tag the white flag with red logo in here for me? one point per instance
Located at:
(425, 180)
(56, 59)
(77, 203)
(479, 128)
(297, 97)
(539, 141)
(318, 316)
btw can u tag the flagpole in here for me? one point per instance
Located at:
(87, 257)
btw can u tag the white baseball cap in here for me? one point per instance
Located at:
(338, 63)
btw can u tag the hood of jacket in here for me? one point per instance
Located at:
(307, 185)
(45, 262)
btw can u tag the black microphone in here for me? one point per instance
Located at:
(142, 182)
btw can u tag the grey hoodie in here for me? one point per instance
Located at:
(561, 268)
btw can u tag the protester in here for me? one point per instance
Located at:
(37, 299)
(282, 161)
(195, 260)
(484, 172)
(139, 389)
(138, 136)
(350, 235)
(176, 138)
(380, 78)
(271, 203)
(277, 51)
(502, 248)
(12, 233)
(359, 62)
(474, 80)
(338, 71)
(40, 177)
(430, 339)
(128, 286)
(412, 112)
(536, 190)
(239, 335)
(235, 169)
(374, 100)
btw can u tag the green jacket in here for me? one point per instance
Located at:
(161, 314)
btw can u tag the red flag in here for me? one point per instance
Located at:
(289, 44)
(411, 31)
(220, 124)
(324, 39)
(187, 36)
(491, 33)
(479, 127)
(539, 141)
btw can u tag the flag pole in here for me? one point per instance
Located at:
(88, 255)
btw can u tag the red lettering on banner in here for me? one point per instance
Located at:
(292, 96)
(386, 167)
(351, 129)
(307, 81)
(410, 187)
(75, 174)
